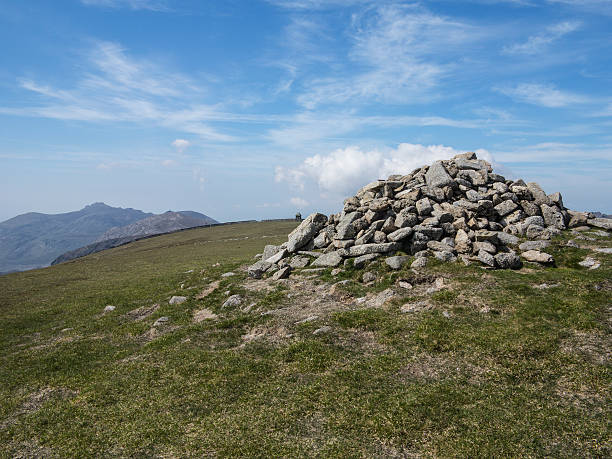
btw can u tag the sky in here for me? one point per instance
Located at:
(253, 109)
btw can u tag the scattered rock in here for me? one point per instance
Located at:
(160, 321)
(307, 319)
(418, 263)
(230, 274)
(546, 286)
(607, 250)
(109, 308)
(538, 257)
(397, 262)
(322, 330)
(234, 300)
(336, 271)
(405, 284)
(257, 269)
(177, 299)
(368, 277)
(590, 263)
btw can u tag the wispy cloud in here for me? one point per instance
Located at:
(317, 4)
(403, 52)
(116, 87)
(543, 95)
(538, 43)
(152, 5)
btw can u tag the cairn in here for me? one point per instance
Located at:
(452, 210)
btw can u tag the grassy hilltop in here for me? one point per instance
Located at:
(466, 362)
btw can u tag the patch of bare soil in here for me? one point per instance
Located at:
(203, 314)
(37, 399)
(142, 313)
(595, 347)
(208, 290)
(259, 285)
(429, 367)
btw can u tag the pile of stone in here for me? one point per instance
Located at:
(457, 209)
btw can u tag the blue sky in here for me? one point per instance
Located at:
(256, 109)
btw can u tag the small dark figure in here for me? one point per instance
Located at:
(298, 217)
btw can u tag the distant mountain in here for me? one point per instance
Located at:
(600, 215)
(34, 239)
(157, 224)
(150, 226)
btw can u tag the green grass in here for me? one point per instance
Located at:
(508, 371)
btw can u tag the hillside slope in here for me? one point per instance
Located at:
(448, 360)
(158, 224)
(33, 240)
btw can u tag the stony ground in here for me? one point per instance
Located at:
(167, 348)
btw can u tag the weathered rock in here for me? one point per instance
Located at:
(399, 234)
(234, 300)
(508, 261)
(533, 245)
(368, 277)
(507, 239)
(419, 262)
(257, 269)
(361, 261)
(440, 247)
(424, 207)
(177, 299)
(462, 242)
(552, 216)
(590, 263)
(270, 250)
(299, 262)
(486, 258)
(605, 223)
(278, 256)
(397, 262)
(486, 246)
(160, 321)
(109, 308)
(365, 249)
(282, 273)
(537, 256)
(306, 231)
(444, 255)
(437, 175)
(331, 259)
(538, 194)
(506, 207)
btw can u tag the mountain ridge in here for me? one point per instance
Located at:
(34, 239)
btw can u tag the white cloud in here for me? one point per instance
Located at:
(181, 145)
(538, 43)
(152, 5)
(169, 163)
(344, 171)
(298, 202)
(544, 95)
